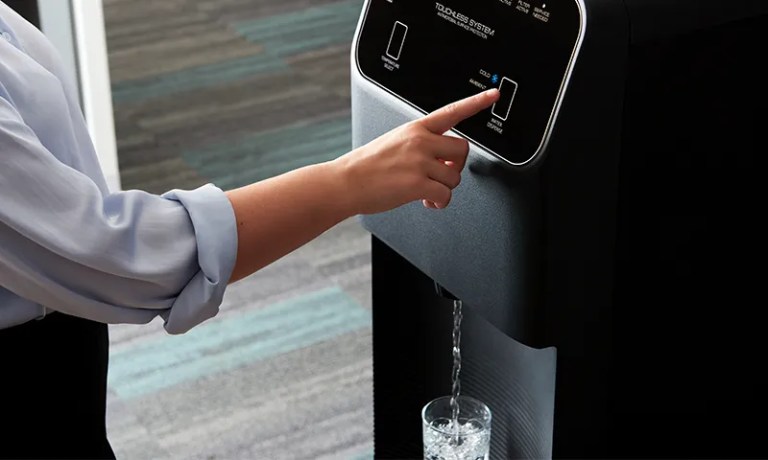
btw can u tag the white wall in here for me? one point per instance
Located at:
(76, 28)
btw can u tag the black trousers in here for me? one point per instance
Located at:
(53, 385)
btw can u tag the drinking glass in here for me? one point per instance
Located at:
(470, 439)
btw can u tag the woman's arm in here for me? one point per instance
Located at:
(413, 162)
(131, 256)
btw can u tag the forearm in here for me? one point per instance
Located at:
(413, 162)
(280, 214)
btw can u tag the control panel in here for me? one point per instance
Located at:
(431, 53)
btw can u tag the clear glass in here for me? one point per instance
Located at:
(469, 440)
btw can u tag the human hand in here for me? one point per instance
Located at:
(416, 161)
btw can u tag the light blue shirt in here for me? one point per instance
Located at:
(69, 245)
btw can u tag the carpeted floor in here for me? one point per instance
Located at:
(231, 92)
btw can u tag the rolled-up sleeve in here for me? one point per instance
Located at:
(125, 257)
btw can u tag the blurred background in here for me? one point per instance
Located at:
(232, 92)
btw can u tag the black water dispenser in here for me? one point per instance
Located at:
(607, 238)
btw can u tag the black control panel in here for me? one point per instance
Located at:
(431, 53)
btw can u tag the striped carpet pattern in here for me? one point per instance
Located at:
(232, 92)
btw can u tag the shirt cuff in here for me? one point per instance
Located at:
(214, 224)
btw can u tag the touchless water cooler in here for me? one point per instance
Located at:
(607, 238)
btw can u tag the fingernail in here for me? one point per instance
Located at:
(492, 92)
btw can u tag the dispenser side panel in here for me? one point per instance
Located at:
(687, 323)
(482, 247)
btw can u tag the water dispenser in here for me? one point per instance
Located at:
(606, 235)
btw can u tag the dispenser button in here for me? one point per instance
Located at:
(503, 106)
(397, 40)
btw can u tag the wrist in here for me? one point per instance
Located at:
(341, 186)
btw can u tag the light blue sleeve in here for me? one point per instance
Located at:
(123, 258)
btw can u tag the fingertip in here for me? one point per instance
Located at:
(493, 94)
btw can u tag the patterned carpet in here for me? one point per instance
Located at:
(232, 92)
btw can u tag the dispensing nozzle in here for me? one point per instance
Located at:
(444, 293)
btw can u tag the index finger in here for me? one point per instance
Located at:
(451, 115)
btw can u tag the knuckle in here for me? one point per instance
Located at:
(456, 180)
(460, 142)
(416, 140)
(405, 131)
(464, 146)
(446, 197)
(457, 144)
(413, 128)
